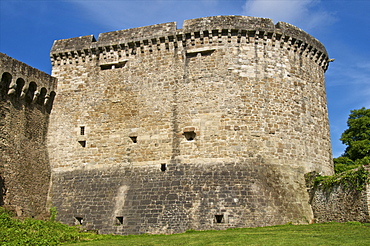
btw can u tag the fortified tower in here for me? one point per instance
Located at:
(160, 130)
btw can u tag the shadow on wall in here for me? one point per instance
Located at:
(2, 191)
(19, 93)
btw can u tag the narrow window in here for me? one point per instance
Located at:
(119, 220)
(79, 220)
(105, 67)
(219, 218)
(82, 130)
(113, 65)
(191, 55)
(163, 167)
(83, 143)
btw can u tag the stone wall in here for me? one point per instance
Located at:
(222, 94)
(25, 103)
(131, 200)
(342, 202)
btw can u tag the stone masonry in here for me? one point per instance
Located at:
(160, 130)
(26, 98)
(341, 203)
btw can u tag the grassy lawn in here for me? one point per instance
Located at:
(37, 232)
(316, 234)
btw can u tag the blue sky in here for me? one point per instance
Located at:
(29, 27)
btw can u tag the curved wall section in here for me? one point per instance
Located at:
(210, 126)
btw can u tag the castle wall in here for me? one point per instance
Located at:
(221, 94)
(25, 103)
(185, 196)
(341, 203)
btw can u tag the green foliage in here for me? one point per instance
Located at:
(53, 213)
(357, 139)
(351, 179)
(38, 232)
(357, 136)
(363, 161)
(342, 164)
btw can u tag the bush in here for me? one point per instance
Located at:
(342, 164)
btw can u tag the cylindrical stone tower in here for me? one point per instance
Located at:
(160, 130)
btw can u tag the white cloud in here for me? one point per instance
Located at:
(305, 14)
(117, 15)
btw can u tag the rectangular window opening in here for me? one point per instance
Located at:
(113, 65)
(202, 52)
(119, 220)
(82, 143)
(133, 139)
(163, 167)
(207, 52)
(190, 136)
(82, 130)
(191, 55)
(219, 218)
(79, 220)
(105, 67)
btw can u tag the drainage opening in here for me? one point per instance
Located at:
(163, 167)
(119, 220)
(79, 220)
(219, 218)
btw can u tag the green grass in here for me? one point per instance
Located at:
(316, 234)
(37, 232)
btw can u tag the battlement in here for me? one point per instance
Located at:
(26, 100)
(195, 32)
(23, 84)
(210, 126)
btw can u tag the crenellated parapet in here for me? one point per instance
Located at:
(24, 84)
(116, 47)
(210, 126)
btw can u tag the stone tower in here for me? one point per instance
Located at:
(160, 130)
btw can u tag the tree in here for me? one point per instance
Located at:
(357, 139)
(342, 164)
(357, 136)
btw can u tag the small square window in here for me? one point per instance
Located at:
(190, 136)
(82, 143)
(133, 139)
(189, 133)
(79, 220)
(219, 218)
(119, 220)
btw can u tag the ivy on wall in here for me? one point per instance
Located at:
(354, 179)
